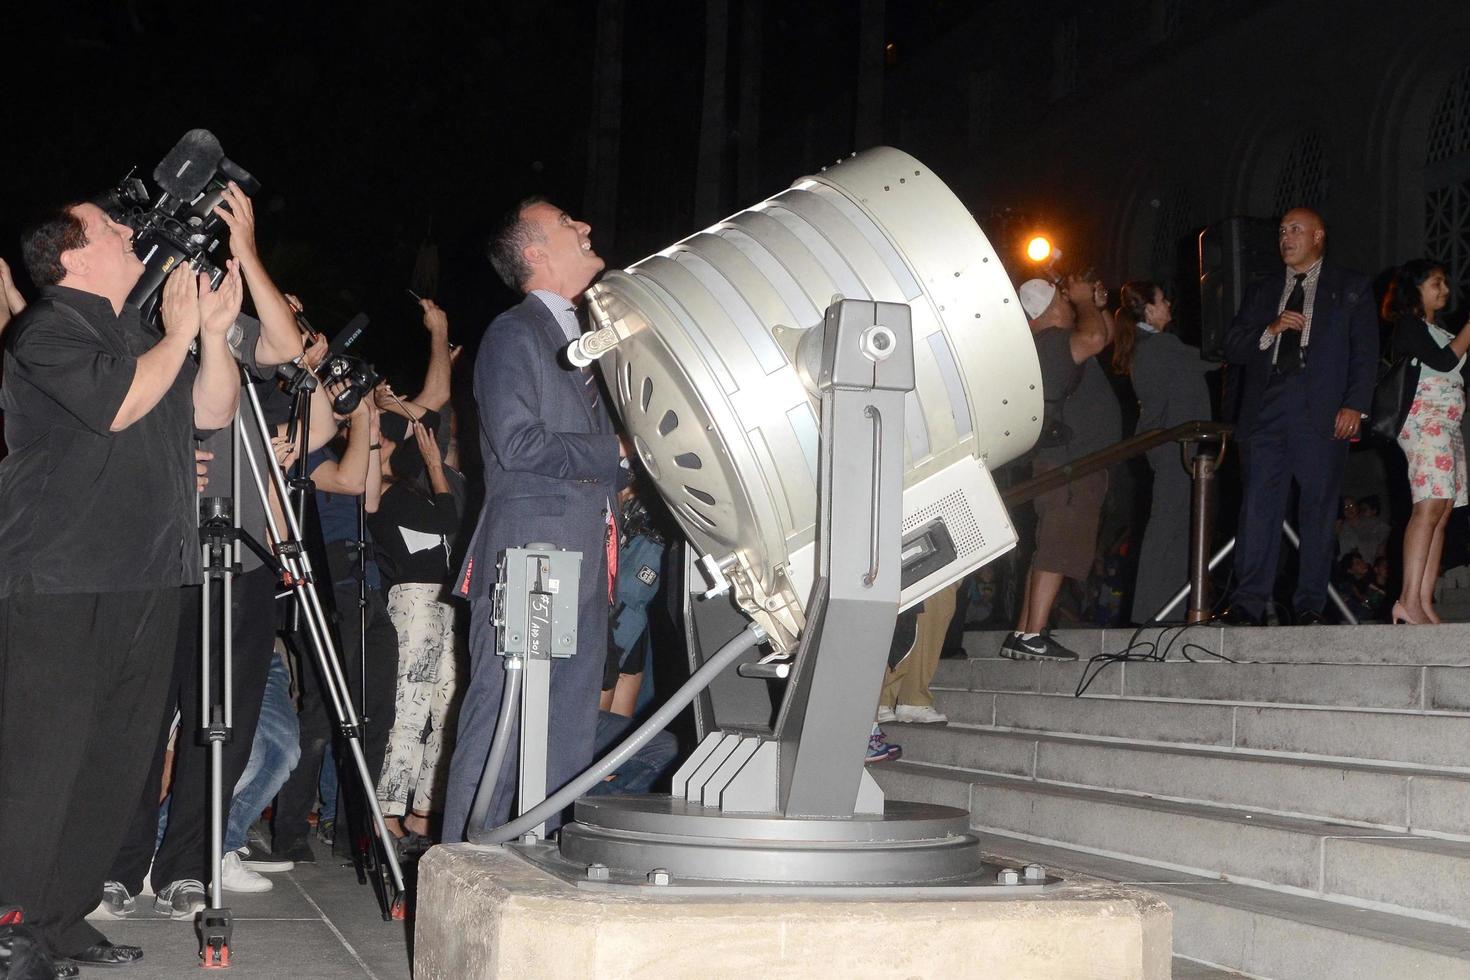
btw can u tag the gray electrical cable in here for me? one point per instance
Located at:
(609, 764)
(509, 705)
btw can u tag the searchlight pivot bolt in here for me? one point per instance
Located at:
(597, 871)
(529, 837)
(659, 876)
(1034, 872)
(877, 343)
(1008, 876)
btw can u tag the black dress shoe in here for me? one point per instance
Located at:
(1311, 617)
(105, 953)
(1236, 616)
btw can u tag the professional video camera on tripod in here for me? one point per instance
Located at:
(185, 224)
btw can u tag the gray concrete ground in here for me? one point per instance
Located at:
(317, 923)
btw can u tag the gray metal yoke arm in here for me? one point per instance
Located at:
(610, 763)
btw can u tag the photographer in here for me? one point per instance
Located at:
(179, 866)
(414, 524)
(100, 412)
(1070, 326)
(434, 393)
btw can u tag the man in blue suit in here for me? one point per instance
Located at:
(1307, 339)
(552, 465)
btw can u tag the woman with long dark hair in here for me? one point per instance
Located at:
(414, 524)
(1168, 377)
(1430, 438)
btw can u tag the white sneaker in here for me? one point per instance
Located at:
(885, 715)
(920, 714)
(116, 902)
(235, 877)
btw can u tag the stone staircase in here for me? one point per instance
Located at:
(1305, 810)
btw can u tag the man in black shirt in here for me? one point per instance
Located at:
(97, 533)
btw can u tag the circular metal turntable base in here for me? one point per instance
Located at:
(908, 844)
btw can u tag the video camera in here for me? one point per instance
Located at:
(180, 226)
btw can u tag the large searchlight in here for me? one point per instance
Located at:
(711, 348)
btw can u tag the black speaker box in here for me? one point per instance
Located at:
(1232, 253)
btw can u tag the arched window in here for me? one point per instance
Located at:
(1303, 181)
(1447, 184)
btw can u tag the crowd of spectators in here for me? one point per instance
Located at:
(1302, 399)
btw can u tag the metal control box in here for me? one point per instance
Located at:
(535, 611)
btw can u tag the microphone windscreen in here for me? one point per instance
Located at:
(186, 171)
(348, 334)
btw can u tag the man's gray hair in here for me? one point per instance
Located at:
(505, 247)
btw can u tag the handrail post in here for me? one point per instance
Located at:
(1201, 530)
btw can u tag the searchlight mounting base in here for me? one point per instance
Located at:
(797, 808)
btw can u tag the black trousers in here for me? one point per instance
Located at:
(317, 715)
(83, 684)
(1283, 448)
(184, 852)
(1163, 558)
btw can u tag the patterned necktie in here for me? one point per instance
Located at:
(1289, 347)
(589, 388)
(589, 378)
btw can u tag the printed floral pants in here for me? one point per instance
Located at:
(417, 761)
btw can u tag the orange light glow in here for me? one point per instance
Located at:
(1038, 249)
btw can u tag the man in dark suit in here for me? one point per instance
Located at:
(1307, 339)
(552, 466)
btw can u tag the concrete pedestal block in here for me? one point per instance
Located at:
(484, 913)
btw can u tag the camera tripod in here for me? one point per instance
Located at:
(220, 541)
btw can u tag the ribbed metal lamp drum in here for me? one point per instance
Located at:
(718, 343)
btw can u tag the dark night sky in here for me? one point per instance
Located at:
(371, 131)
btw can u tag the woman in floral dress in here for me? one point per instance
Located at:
(1431, 438)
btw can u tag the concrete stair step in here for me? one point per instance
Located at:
(1447, 644)
(1409, 737)
(1434, 802)
(1326, 685)
(1185, 969)
(1408, 875)
(1261, 933)
(1337, 685)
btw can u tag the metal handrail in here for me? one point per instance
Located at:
(1116, 453)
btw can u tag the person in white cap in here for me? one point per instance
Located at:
(1070, 326)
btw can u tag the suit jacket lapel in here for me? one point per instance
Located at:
(556, 340)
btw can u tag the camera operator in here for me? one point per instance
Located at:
(179, 865)
(100, 414)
